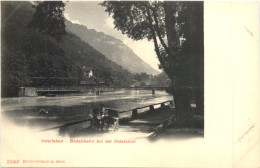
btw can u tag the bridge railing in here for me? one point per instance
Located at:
(151, 108)
(61, 88)
(148, 88)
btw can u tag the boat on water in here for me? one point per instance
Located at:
(109, 122)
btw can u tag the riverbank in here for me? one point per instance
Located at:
(159, 124)
(148, 121)
(51, 91)
(169, 130)
(64, 90)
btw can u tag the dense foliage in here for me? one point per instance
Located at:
(144, 79)
(176, 29)
(48, 18)
(27, 52)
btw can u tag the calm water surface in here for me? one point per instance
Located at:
(22, 111)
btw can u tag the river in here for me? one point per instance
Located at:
(23, 110)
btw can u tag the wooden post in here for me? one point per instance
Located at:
(134, 113)
(162, 105)
(151, 108)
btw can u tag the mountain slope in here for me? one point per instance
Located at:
(28, 53)
(114, 49)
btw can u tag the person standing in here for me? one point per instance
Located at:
(102, 111)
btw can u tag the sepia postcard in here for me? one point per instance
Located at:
(130, 84)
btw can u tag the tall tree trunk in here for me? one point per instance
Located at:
(182, 94)
(184, 114)
(200, 101)
(195, 49)
(180, 74)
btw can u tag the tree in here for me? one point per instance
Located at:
(142, 77)
(48, 18)
(14, 71)
(176, 29)
(161, 80)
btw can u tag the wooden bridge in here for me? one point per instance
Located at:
(148, 88)
(152, 88)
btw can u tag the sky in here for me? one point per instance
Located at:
(93, 16)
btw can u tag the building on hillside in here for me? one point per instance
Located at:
(87, 71)
(87, 77)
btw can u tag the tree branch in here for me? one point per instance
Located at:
(170, 24)
(159, 33)
(157, 50)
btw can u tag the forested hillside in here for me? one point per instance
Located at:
(28, 53)
(113, 48)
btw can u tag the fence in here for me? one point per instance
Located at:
(151, 109)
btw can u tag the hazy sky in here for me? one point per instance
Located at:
(93, 16)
